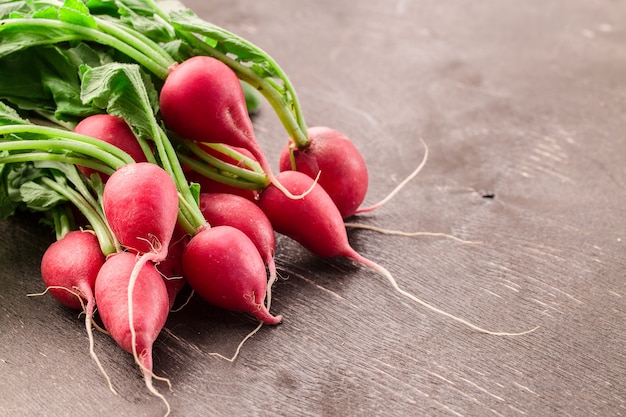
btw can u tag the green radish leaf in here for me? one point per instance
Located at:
(7, 9)
(124, 91)
(103, 7)
(12, 177)
(46, 79)
(38, 197)
(76, 12)
(224, 40)
(9, 116)
(144, 21)
(16, 37)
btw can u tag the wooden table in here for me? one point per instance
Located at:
(522, 105)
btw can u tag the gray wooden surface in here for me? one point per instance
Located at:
(523, 106)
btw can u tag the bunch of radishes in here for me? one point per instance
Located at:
(223, 256)
(162, 184)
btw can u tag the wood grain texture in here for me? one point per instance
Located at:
(522, 105)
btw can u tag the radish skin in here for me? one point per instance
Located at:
(225, 268)
(202, 100)
(221, 209)
(316, 223)
(140, 203)
(133, 315)
(341, 168)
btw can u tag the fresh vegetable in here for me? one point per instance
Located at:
(69, 268)
(339, 164)
(153, 99)
(202, 100)
(133, 321)
(140, 202)
(223, 209)
(224, 267)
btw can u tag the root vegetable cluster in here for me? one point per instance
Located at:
(135, 141)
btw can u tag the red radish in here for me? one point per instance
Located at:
(140, 203)
(224, 267)
(113, 130)
(134, 316)
(221, 209)
(339, 167)
(342, 170)
(316, 223)
(69, 268)
(202, 100)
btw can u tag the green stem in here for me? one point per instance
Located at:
(63, 146)
(212, 173)
(62, 218)
(141, 43)
(117, 157)
(170, 163)
(72, 32)
(108, 243)
(245, 174)
(47, 156)
(236, 155)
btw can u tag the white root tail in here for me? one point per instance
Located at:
(399, 186)
(382, 271)
(271, 266)
(88, 311)
(408, 234)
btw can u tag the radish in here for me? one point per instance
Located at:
(69, 268)
(133, 321)
(342, 170)
(338, 166)
(316, 223)
(232, 210)
(113, 130)
(225, 268)
(202, 100)
(140, 203)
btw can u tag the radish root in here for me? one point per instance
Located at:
(147, 376)
(155, 256)
(288, 193)
(240, 345)
(271, 266)
(88, 326)
(189, 297)
(409, 234)
(382, 271)
(399, 187)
